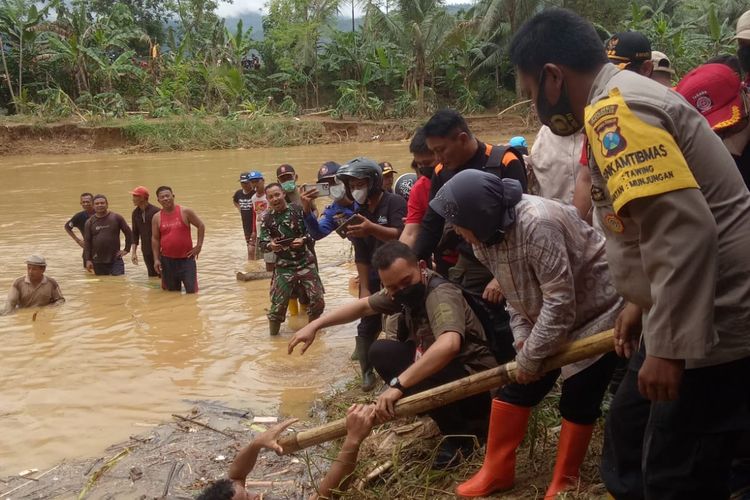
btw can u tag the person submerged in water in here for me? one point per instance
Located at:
(359, 421)
(33, 289)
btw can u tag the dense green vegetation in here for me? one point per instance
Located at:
(160, 58)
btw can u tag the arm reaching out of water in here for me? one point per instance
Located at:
(345, 314)
(359, 421)
(244, 463)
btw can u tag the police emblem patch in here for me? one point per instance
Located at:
(610, 137)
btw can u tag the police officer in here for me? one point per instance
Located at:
(677, 219)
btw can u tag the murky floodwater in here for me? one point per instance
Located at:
(121, 353)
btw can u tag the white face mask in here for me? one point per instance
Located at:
(360, 195)
(338, 192)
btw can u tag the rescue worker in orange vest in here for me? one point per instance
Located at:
(456, 148)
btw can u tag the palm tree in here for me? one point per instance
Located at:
(85, 45)
(497, 21)
(423, 30)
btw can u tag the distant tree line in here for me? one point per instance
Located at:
(407, 57)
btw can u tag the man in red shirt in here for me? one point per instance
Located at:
(423, 163)
(174, 253)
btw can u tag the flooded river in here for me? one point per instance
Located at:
(121, 354)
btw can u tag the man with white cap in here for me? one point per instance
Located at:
(34, 289)
(743, 44)
(663, 71)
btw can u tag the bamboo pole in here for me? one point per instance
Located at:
(458, 389)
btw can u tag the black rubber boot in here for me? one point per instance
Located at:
(274, 327)
(368, 374)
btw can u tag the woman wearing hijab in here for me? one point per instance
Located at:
(553, 273)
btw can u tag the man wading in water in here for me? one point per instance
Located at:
(143, 214)
(102, 240)
(34, 289)
(284, 233)
(79, 221)
(172, 243)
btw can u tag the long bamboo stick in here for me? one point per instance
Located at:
(458, 389)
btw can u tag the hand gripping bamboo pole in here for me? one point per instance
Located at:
(458, 389)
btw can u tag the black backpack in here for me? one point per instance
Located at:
(494, 319)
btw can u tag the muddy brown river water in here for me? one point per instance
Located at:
(121, 354)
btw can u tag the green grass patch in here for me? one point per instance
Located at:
(410, 475)
(192, 133)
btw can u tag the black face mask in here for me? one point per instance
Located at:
(412, 296)
(558, 117)
(743, 54)
(495, 238)
(427, 171)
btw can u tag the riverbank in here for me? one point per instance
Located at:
(20, 136)
(177, 459)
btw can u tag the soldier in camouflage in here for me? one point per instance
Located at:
(284, 233)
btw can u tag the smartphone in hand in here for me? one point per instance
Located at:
(284, 242)
(324, 189)
(354, 219)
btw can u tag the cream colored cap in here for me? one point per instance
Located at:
(743, 27)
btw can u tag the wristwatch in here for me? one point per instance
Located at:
(396, 384)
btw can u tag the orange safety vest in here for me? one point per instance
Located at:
(509, 155)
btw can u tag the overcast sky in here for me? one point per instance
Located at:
(239, 6)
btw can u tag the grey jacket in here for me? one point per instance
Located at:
(552, 270)
(676, 215)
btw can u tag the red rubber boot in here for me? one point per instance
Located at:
(507, 427)
(571, 450)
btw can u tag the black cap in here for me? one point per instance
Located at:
(328, 170)
(628, 47)
(284, 169)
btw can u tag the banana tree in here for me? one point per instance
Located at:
(423, 30)
(18, 22)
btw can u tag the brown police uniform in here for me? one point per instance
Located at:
(444, 310)
(676, 214)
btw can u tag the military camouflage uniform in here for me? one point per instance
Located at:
(295, 268)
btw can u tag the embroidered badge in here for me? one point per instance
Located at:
(611, 138)
(614, 223)
(703, 102)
